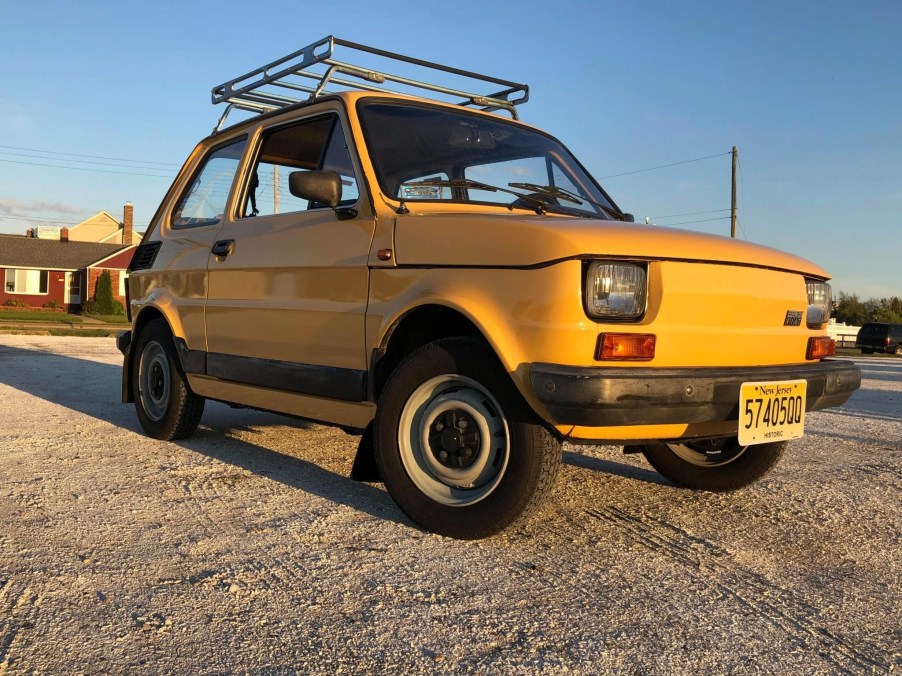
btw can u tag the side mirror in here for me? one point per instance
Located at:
(322, 187)
(629, 218)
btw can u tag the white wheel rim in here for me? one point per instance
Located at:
(154, 386)
(426, 413)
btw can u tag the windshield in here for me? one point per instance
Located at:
(425, 153)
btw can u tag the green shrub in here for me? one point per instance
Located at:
(52, 305)
(104, 294)
(118, 309)
(89, 307)
(15, 302)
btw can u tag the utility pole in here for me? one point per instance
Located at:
(733, 195)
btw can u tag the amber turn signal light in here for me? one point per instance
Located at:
(820, 347)
(625, 347)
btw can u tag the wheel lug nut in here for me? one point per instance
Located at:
(443, 455)
(439, 427)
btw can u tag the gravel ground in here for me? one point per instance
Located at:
(246, 549)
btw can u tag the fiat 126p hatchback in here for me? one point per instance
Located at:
(403, 258)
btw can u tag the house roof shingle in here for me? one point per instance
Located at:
(49, 254)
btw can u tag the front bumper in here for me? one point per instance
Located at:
(608, 397)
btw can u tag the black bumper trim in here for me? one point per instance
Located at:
(606, 397)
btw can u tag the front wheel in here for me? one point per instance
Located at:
(457, 448)
(167, 408)
(713, 465)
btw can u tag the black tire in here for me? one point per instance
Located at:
(452, 397)
(718, 465)
(167, 408)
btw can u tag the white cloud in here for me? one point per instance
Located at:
(16, 207)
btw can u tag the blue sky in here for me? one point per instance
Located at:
(810, 92)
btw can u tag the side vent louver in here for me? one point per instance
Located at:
(144, 256)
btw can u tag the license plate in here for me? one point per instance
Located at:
(771, 412)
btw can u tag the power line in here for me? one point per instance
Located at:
(706, 220)
(664, 166)
(55, 221)
(99, 171)
(41, 220)
(742, 186)
(58, 159)
(96, 157)
(694, 213)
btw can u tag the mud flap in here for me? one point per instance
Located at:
(364, 468)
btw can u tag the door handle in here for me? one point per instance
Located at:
(223, 247)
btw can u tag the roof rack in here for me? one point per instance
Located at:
(263, 89)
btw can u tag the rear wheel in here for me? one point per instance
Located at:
(713, 465)
(167, 408)
(458, 450)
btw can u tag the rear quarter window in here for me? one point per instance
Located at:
(204, 200)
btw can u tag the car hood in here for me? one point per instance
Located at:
(478, 240)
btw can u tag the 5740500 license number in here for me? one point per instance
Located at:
(771, 411)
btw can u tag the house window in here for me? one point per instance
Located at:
(30, 282)
(122, 278)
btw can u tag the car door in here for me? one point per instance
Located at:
(288, 289)
(189, 231)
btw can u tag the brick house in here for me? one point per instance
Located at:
(37, 271)
(62, 265)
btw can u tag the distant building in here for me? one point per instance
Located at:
(63, 264)
(101, 227)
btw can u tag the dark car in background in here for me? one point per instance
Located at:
(880, 337)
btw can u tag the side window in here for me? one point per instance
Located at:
(204, 202)
(311, 145)
(338, 158)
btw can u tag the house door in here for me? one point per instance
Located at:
(73, 288)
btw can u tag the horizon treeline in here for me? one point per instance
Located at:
(850, 309)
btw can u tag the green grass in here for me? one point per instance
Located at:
(109, 319)
(35, 316)
(49, 331)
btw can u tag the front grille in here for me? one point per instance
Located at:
(144, 256)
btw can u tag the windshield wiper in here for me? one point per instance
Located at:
(566, 195)
(541, 205)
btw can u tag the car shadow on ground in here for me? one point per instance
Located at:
(589, 462)
(94, 389)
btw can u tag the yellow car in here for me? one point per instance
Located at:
(451, 284)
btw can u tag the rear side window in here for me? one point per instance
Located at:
(315, 144)
(874, 331)
(204, 202)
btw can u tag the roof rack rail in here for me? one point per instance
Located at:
(254, 91)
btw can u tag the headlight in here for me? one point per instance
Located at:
(820, 302)
(616, 290)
